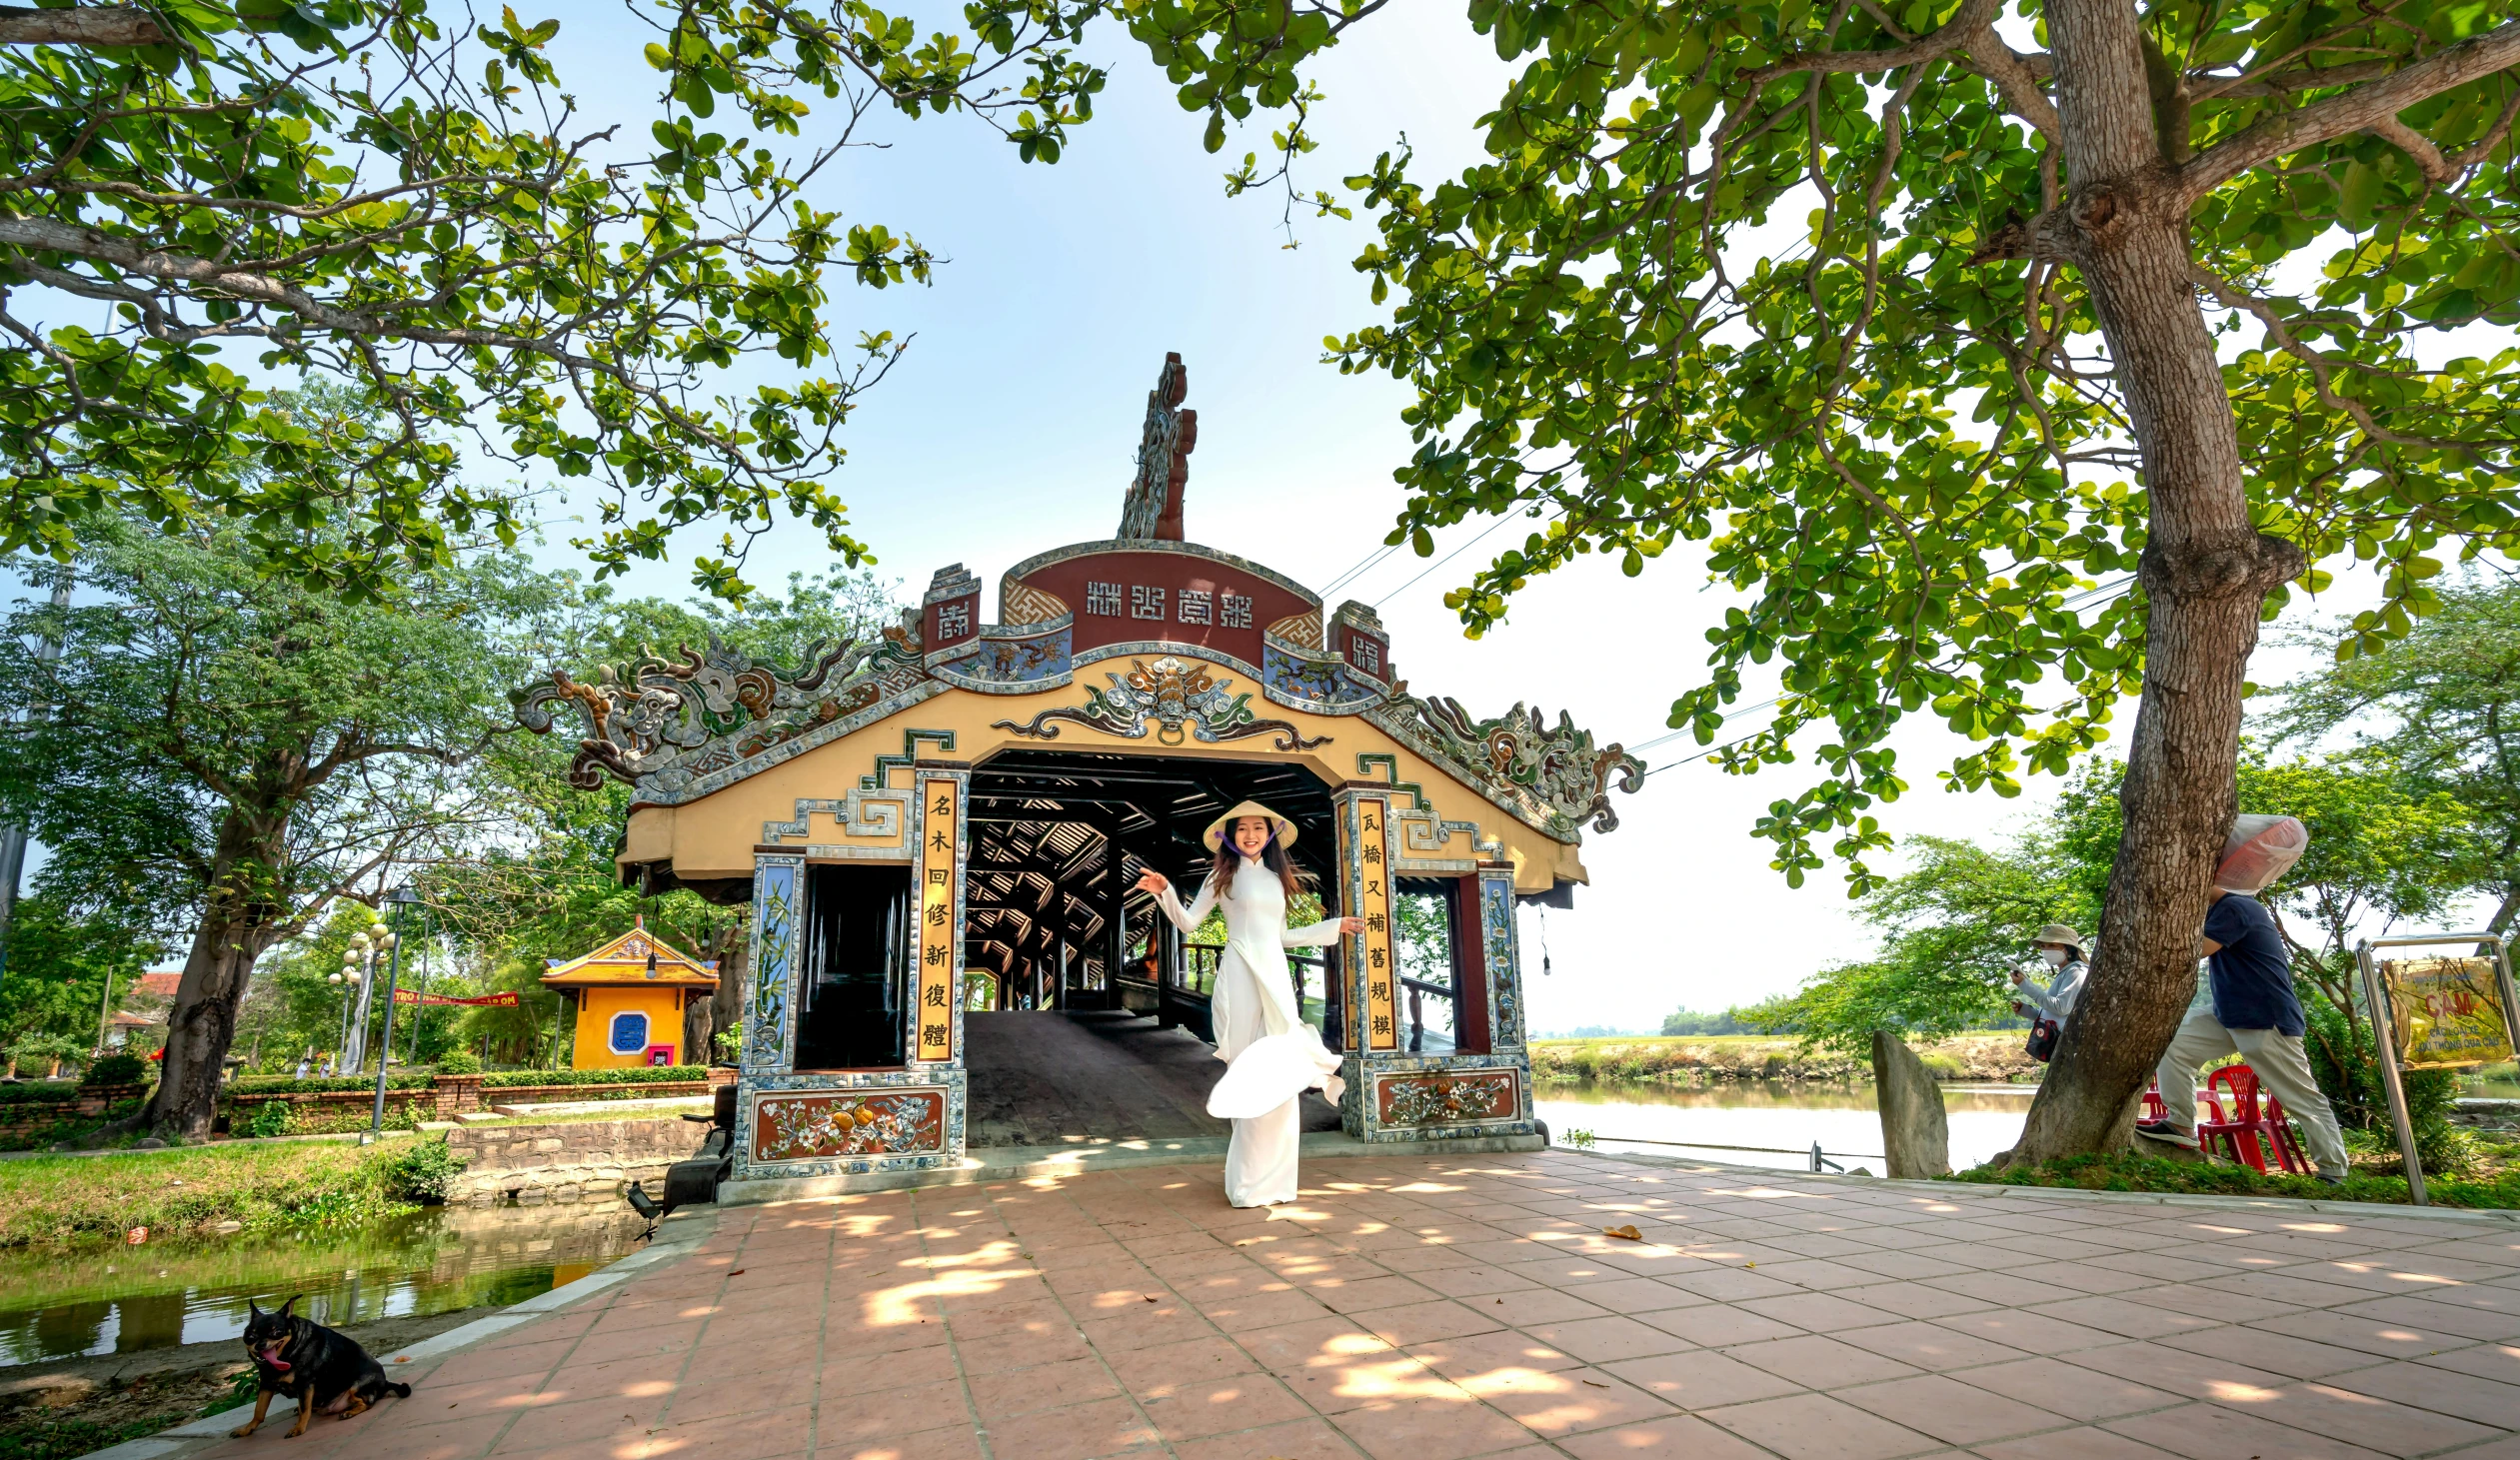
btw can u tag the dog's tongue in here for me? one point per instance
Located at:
(277, 1363)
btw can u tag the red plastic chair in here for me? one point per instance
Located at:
(2153, 1109)
(2250, 1128)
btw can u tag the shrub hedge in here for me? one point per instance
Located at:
(281, 1084)
(48, 1093)
(665, 1074)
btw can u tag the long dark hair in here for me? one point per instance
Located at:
(1273, 857)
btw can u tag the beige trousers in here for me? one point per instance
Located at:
(2283, 1071)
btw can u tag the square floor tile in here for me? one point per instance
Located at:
(2069, 1389)
(1818, 1427)
(1949, 1410)
(1700, 1379)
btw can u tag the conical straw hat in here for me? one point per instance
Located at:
(1220, 828)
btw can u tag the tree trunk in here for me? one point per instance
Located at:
(2205, 571)
(725, 1010)
(239, 921)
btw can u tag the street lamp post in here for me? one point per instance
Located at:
(401, 897)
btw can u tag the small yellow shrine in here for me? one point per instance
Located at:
(629, 995)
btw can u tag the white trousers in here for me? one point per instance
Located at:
(2283, 1071)
(1259, 1161)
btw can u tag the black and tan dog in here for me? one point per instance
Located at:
(306, 1361)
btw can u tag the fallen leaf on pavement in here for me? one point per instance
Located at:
(1630, 1233)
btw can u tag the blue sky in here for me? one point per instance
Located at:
(1011, 424)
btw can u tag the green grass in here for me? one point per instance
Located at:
(65, 1439)
(2132, 1172)
(1720, 1042)
(69, 1200)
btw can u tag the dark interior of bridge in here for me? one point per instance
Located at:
(1058, 837)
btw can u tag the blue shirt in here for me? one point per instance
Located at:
(2252, 979)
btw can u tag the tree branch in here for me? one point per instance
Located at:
(1966, 22)
(84, 25)
(2366, 108)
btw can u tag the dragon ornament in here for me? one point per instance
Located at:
(718, 705)
(1560, 766)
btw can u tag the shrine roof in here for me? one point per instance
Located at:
(625, 961)
(1128, 620)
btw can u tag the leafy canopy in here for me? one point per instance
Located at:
(2443, 706)
(2382, 850)
(212, 727)
(1776, 281)
(376, 192)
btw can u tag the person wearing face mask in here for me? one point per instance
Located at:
(2047, 1000)
(1272, 1057)
(2052, 998)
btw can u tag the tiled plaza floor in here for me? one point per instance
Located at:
(1417, 1309)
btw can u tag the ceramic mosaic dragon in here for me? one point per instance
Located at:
(1558, 768)
(658, 723)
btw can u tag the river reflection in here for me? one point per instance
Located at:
(124, 1299)
(1789, 1115)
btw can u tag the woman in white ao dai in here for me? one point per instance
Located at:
(1272, 1057)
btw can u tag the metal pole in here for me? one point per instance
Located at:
(2384, 1050)
(419, 1010)
(13, 837)
(385, 1040)
(105, 1011)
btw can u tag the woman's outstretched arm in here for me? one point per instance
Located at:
(1187, 918)
(1325, 932)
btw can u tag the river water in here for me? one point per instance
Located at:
(1786, 1115)
(1790, 1115)
(124, 1299)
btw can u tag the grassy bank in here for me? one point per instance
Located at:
(2493, 1184)
(1994, 1056)
(65, 1200)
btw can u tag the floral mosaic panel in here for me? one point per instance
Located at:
(1447, 1100)
(857, 1123)
(774, 951)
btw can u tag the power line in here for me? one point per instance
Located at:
(2111, 590)
(1455, 553)
(1360, 567)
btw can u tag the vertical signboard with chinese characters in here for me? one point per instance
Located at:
(939, 916)
(1371, 880)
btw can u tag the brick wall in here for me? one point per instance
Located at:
(592, 1160)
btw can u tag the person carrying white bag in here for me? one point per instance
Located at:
(2254, 1011)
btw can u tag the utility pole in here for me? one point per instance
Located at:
(13, 837)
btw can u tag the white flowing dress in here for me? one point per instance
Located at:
(1272, 1057)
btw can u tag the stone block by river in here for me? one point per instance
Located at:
(1915, 1139)
(590, 1161)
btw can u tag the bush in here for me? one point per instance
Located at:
(459, 1061)
(425, 1172)
(2348, 1072)
(269, 1118)
(118, 1069)
(668, 1074)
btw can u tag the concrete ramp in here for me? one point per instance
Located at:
(1049, 1078)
